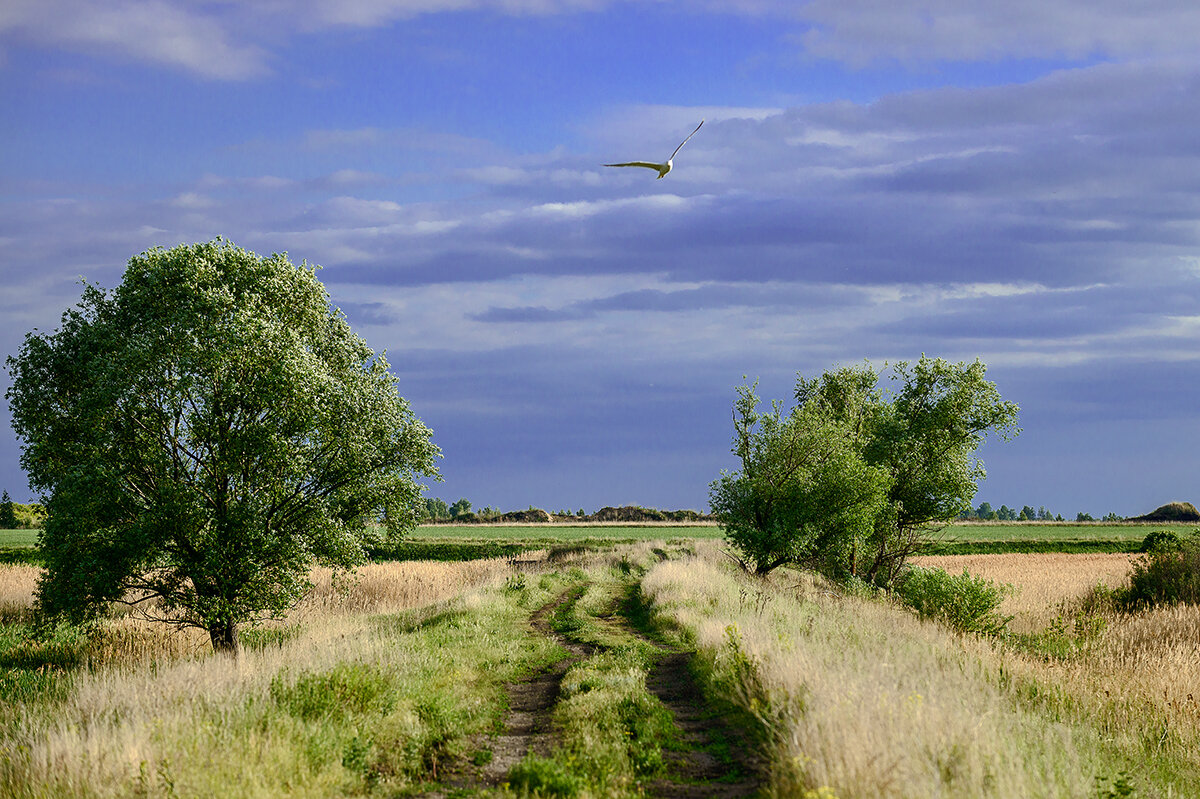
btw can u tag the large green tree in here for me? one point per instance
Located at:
(925, 433)
(205, 433)
(921, 437)
(804, 493)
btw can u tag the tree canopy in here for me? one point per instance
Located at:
(205, 433)
(804, 493)
(868, 469)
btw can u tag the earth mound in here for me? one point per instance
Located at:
(1171, 512)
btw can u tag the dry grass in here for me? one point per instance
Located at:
(1138, 679)
(1139, 674)
(1043, 581)
(154, 706)
(128, 639)
(864, 700)
(17, 584)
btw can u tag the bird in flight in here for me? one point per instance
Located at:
(662, 169)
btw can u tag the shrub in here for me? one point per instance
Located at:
(966, 603)
(1165, 577)
(1161, 541)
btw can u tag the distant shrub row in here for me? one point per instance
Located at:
(448, 550)
(15, 516)
(460, 512)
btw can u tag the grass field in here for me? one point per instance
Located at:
(1079, 537)
(1058, 531)
(18, 538)
(380, 686)
(567, 532)
(456, 542)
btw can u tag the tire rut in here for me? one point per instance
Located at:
(716, 760)
(528, 726)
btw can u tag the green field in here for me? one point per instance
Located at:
(972, 538)
(457, 542)
(18, 538)
(566, 532)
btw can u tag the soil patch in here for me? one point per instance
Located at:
(717, 760)
(527, 725)
(528, 722)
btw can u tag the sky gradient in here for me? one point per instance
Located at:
(1018, 183)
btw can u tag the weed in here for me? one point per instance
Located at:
(1118, 787)
(348, 688)
(1165, 576)
(539, 776)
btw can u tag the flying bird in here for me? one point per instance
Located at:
(662, 169)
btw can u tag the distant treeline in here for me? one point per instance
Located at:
(15, 516)
(985, 512)
(461, 512)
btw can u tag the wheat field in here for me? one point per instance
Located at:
(1042, 582)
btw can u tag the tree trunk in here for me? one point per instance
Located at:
(224, 635)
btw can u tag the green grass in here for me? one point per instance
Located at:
(18, 546)
(18, 538)
(1057, 531)
(459, 542)
(612, 730)
(1004, 537)
(542, 533)
(397, 698)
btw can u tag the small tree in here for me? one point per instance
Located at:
(460, 508)
(804, 493)
(204, 433)
(920, 441)
(8, 514)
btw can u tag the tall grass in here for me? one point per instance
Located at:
(365, 687)
(862, 699)
(1042, 582)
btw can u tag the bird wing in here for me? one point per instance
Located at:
(646, 164)
(685, 141)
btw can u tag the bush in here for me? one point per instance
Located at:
(966, 603)
(1161, 541)
(1165, 577)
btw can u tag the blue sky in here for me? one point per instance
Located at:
(1018, 183)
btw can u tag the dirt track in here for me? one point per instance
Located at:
(715, 760)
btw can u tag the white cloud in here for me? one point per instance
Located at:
(232, 40)
(192, 201)
(156, 31)
(861, 32)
